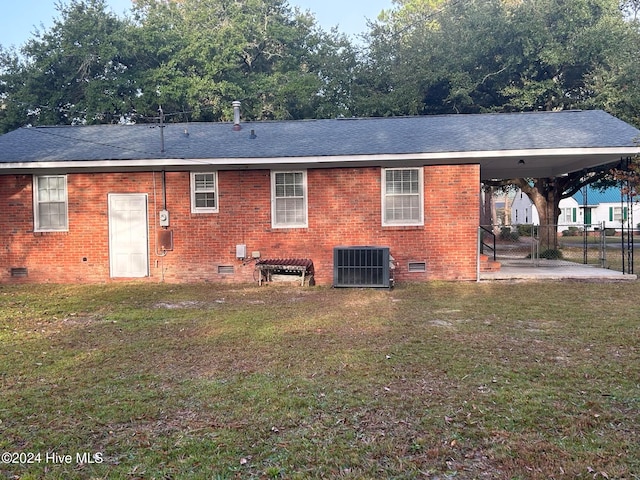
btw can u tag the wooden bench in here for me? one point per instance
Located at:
(286, 266)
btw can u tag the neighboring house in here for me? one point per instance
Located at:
(204, 202)
(523, 212)
(599, 208)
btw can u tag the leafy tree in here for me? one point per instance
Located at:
(190, 57)
(566, 45)
(274, 59)
(616, 82)
(493, 55)
(77, 72)
(631, 8)
(11, 112)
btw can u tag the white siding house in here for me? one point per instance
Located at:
(523, 212)
(599, 207)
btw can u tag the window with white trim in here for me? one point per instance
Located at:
(618, 214)
(204, 192)
(568, 215)
(289, 199)
(402, 196)
(50, 203)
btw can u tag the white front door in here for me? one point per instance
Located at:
(128, 235)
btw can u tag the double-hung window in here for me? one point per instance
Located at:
(569, 215)
(289, 199)
(617, 214)
(402, 196)
(204, 192)
(50, 203)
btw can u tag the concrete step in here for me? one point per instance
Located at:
(490, 266)
(487, 265)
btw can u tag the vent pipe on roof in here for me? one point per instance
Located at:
(236, 115)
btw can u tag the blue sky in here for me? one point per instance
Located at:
(20, 18)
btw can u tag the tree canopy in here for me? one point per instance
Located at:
(191, 57)
(503, 55)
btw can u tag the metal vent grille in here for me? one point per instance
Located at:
(225, 269)
(417, 266)
(19, 272)
(361, 267)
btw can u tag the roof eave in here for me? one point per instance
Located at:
(564, 160)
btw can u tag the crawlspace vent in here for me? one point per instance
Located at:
(361, 267)
(417, 267)
(19, 272)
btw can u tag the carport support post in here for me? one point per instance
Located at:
(478, 254)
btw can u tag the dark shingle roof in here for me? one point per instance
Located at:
(311, 138)
(552, 143)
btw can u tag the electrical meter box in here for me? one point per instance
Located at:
(164, 218)
(241, 251)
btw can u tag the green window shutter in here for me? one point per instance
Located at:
(574, 216)
(624, 213)
(611, 214)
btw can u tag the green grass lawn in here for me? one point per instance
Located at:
(432, 381)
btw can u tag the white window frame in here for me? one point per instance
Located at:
(618, 214)
(194, 191)
(276, 200)
(567, 215)
(37, 204)
(386, 196)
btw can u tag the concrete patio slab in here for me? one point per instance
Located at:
(553, 270)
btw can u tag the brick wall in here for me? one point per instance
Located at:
(344, 209)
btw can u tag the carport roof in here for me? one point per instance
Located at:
(535, 144)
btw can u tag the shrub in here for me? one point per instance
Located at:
(610, 232)
(571, 232)
(525, 229)
(551, 254)
(507, 234)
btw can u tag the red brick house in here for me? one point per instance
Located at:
(205, 202)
